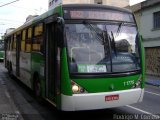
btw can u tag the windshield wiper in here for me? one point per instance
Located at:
(119, 28)
(104, 37)
(95, 30)
(113, 43)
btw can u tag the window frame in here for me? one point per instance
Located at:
(24, 36)
(38, 38)
(156, 20)
(98, 1)
(28, 39)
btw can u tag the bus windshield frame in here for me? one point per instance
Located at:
(103, 35)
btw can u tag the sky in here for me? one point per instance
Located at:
(132, 2)
(14, 15)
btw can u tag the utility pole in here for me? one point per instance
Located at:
(9, 3)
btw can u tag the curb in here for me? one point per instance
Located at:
(152, 83)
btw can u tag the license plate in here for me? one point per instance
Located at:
(111, 97)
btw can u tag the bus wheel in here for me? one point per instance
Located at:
(37, 88)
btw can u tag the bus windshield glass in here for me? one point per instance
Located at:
(102, 47)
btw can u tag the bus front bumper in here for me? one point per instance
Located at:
(93, 101)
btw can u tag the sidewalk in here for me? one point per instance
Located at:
(8, 109)
(152, 80)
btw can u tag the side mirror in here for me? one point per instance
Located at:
(60, 21)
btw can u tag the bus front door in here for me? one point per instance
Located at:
(51, 62)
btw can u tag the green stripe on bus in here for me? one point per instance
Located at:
(65, 81)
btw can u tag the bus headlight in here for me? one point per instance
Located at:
(76, 89)
(138, 83)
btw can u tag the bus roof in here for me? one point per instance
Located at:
(96, 6)
(65, 6)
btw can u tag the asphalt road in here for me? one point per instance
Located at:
(30, 109)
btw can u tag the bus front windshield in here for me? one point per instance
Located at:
(102, 47)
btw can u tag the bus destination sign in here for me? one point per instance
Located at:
(101, 15)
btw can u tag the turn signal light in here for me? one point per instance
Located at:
(138, 83)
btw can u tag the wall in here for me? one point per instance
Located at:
(151, 36)
(138, 19)
(137, 13)
(75, 1)
(118, 3)
(152, 56)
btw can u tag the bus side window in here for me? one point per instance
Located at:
(28, 40)
(23, 40)
(14, 42)
(38, 38)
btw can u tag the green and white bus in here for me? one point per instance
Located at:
(79, 57)
(1, 50)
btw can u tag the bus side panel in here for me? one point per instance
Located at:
(1, 55)
(65, 81)
(25, 68)
(37, 68)
(1, 49)
(13, 61)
